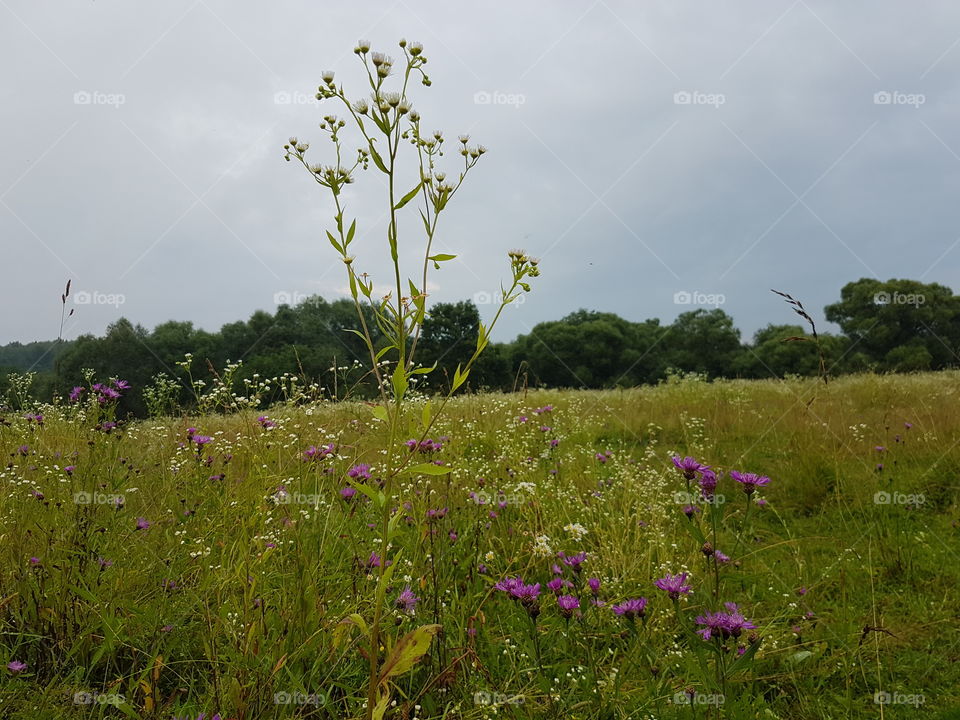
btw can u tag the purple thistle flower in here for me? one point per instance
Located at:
(318, 453)
(265, 422)
(674, 585)
(573, 561)
(557, 585)
(750, 481)
(723, 625)
(720, 557)
(594, 584)
(544, 409)
(406, 600)
(34, 561)
(201, 440)
(708, 483)
(359, 472)
(436, 514)
(690, 510)
(76, 393)
(632, 608)
(142, 523)
(568, 604)
(508, 584)
(16, 667)
(348, 493)
(688, 466)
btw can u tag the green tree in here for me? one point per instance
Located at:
(882, 318)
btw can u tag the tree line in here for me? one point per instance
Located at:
(892, 326)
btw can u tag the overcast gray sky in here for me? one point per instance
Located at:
(641, 149)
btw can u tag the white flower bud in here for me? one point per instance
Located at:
(327, 76)
(364, 46)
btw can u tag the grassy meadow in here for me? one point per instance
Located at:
(226, 564)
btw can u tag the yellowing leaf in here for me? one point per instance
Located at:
(408, 651)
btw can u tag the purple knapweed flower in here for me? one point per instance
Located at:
(406, 600)
(16, 667)
(348, 493)
(142, 523)
(265, 422)
(568, 605)
(708, 483)
(674, 585)
(359, 472)
(689, 466)
(749, 481)
(318, 453)
(723, 625)
(632, 608)
(594, 584)
(76, 393)
(573, 561)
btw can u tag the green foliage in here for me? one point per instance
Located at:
(237, 594)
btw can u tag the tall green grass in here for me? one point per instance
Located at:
(233, 600)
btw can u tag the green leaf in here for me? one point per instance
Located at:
(381, 707)
(366, 490)
(425, 415)
(408, 651)
(409, 196)
(744, 660)
(459, 378)
(399, 381)
(380, 413)
(428, 469)
(392, 524)
(333, 241)
(441, 257)
(377, 160)
(358, 620)
(425, 370)
(351, 232)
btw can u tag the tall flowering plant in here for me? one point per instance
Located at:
(385, 121)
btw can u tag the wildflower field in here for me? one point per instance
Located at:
(735, 549)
